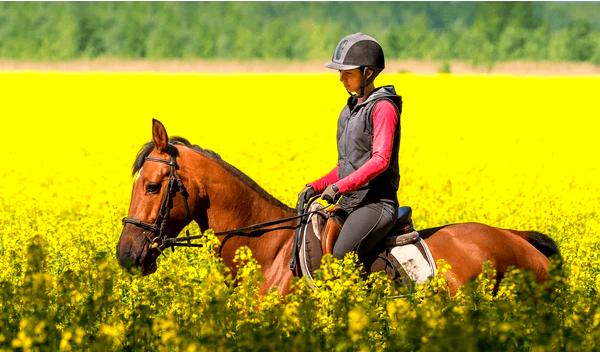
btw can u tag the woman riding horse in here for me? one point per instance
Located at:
(368, 138)
(178, 183)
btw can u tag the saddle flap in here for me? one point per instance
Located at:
(330, 233)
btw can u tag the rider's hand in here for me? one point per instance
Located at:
(303, 197)
(331, 194)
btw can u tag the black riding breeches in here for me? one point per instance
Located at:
(364, 228)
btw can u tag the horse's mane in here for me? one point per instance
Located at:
(172, 150)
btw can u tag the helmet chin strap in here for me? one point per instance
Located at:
(364, 82)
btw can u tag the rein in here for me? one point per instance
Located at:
(160, 241)
(170, 242)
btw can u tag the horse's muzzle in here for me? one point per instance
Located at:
(134, 252)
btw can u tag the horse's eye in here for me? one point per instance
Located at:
(153, 187)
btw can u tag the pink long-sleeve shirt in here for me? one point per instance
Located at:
(385, 120)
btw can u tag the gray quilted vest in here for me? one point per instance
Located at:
(355, 145)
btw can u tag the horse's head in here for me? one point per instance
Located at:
(160, 203)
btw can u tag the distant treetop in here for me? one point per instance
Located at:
(482, 33)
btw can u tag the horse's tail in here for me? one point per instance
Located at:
(541, 242)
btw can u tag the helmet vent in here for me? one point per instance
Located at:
(339, 49)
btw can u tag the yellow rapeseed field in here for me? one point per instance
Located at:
(510, 151)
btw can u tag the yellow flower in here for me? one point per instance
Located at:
(357, 322)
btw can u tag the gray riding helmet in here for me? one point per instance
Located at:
(357, 50)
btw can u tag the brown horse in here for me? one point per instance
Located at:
(179, 182)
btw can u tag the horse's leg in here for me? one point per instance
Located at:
(467, 246)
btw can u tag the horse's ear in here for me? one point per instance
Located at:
(159, 135)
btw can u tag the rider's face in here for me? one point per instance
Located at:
(351, 79)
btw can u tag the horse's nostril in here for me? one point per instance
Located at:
(149, 269)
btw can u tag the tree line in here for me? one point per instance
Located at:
(482, 33)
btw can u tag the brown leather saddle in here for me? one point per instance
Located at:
(336, 217)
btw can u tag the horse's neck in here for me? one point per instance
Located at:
(232, 203)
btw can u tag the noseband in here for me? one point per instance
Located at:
(158, 229)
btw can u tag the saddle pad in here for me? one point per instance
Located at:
(416, 260)
(310, 252)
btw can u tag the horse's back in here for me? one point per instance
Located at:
(466, 246)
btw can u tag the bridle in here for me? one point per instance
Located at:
(158, 229)
(156, 234)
